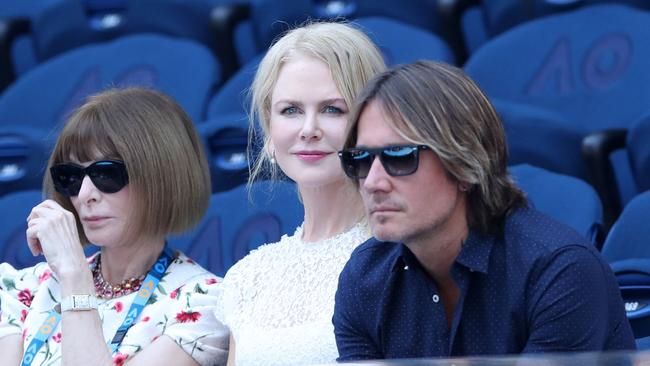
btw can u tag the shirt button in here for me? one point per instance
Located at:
(435, 298)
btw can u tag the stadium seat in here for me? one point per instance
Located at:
(638, 149)
(43, 98)
(23, 158)
(13, 243)
(588, 66)
(529, 128)
(68, 24)
(627, 249)
(235, 225)
(225, 139)
(490, 18)
(564, 198)
(267, 20)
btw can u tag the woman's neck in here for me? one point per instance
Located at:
(330, 210)
(130, 261)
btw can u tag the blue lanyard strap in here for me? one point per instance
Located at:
(44, 332)
(149, 285)
(147, 288)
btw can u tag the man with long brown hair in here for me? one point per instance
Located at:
(459, 263)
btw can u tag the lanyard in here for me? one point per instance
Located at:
(147, 288)
(142, 297)
(44, 332)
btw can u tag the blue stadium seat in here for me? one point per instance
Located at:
(234, 225)
(225, 140)
(539, 137)
(23, 158)
(638, 149)
(627, 249)
(13, 243)
(589, 66)
(489, 18)
(65, 25)
(45, 96)
(267, 20)
(565, 198)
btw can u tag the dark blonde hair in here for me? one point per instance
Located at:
(437, 105)
(156, 139)
(352, 59)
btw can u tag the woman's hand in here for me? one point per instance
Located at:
(52, 231)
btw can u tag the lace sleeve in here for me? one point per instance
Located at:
(229, 294)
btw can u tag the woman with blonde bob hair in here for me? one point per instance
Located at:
(279, 300)
(128, 169)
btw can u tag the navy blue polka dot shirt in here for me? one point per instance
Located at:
(537, 287)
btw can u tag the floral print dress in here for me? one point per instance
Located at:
(182, 308)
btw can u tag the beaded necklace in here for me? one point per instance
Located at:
(105, 290)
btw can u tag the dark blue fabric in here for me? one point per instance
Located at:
(538, 287)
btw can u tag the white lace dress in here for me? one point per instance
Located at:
(279, 300)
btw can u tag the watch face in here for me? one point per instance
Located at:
(81, 302)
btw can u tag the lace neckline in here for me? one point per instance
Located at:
(357, 229)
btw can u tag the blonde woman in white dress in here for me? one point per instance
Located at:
(278, 301)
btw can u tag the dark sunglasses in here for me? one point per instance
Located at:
(109, 176)
(397, 160)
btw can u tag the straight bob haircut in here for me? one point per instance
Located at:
(164, 158)
(437, 105)
(352, 59)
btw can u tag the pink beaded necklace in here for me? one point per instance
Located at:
(105, 290)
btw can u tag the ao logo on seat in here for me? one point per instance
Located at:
(603, 63)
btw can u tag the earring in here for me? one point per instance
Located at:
(273, 157)
(463, 187)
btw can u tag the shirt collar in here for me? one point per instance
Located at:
(475, 254)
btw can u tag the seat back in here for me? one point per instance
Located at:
(627, 249)
(45, 96)
(13, 243)
(638, 149)
(23, 158)
(269, 20)
(65, 25)
(541, 138)
(233, 225)
(225, 140)
(493, 17)
(590, 65)
(565, 198)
